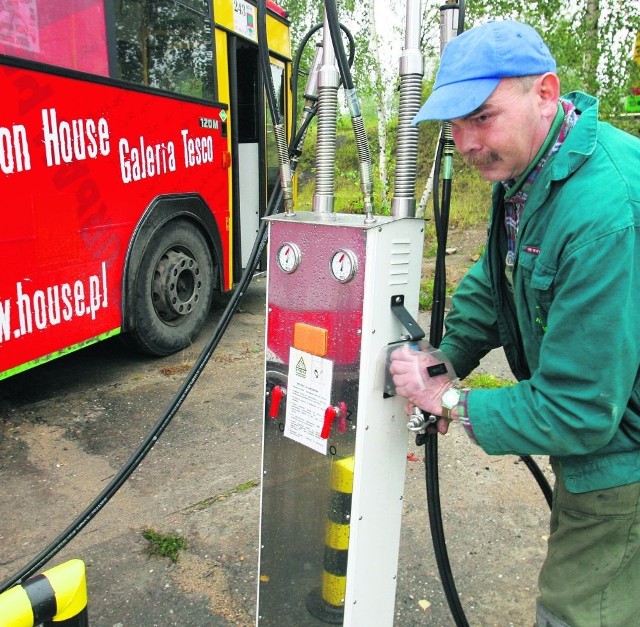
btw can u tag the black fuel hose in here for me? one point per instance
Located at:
(341, 57)
(263, 57)
(538, 475)
(84, 518)
(295, 70)
(141, 452)
(441, 207)
(430, 438)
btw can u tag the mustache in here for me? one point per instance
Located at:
(479, 159)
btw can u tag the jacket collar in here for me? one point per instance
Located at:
(581, 141)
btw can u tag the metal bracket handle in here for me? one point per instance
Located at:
(400, 312)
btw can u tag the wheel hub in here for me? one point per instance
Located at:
(176, 285)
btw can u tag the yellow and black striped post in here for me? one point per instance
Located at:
(327, 602)
(56, 597)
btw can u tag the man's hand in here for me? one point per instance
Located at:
(411, 379)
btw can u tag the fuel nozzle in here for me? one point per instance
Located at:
(328, 83)
(418, 422)
(311, 88)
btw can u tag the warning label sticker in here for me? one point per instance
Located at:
(308, 396)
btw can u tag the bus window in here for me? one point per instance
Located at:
(66, 33)
(165, 44)
(248, 84)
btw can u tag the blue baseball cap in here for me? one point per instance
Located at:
(474, 62)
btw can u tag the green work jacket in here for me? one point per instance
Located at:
(571, 326)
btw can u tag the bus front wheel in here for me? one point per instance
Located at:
(173, 290)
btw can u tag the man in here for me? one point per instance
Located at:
(558, 287)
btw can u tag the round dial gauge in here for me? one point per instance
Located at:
(289, 257)
(344, 265)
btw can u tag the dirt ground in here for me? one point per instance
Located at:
(68, 426)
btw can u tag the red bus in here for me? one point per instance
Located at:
(135, 165)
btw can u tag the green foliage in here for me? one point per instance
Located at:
(209, 501)
(425, 299)
(470, 198)
(164, 544)
(485, 381)
(591, 40)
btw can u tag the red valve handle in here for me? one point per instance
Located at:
(342, 417)
(277, 392)
(330, 414)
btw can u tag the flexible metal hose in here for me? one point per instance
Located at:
(364, 163)
(403, 203)
(407, 153)
(286, 173)
(362, 142)
(326, 149)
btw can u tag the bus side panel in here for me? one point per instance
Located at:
(80, 162)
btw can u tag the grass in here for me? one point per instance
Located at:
(204, 503)
(485, 381)
(425, 300)
(164, 544)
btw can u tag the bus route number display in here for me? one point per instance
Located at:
(244, 19)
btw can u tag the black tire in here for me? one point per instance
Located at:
(172, 291)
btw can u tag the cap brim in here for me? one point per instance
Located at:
(456, 100)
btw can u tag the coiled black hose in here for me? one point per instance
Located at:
(85, 517)
(141, 452)
(441, 206)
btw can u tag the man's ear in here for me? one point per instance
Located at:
(548, 90)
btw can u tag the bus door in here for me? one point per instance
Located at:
(254, 147)
(247, 123)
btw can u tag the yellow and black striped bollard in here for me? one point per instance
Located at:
(327, 603)
(55, 598)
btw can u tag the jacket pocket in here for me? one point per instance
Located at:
(534, 289)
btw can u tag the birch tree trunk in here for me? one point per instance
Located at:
(381, 106)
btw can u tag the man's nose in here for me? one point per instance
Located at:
(465, 139)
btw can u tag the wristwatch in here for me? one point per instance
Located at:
(448, 401)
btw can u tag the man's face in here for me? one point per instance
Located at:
(501, 137)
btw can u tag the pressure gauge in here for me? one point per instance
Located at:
(344, 265)
(289, 257)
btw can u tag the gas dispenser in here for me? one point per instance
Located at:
(341, 290)
(334, 447)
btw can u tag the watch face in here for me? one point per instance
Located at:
(450, 398)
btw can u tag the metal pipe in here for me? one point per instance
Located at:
(362, 143)
(328, 83)
(403, 203)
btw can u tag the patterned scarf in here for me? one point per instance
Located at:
(514, 205)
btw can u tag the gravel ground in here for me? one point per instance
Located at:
(67, 427)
